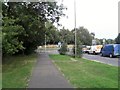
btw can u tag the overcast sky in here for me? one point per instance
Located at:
(98, 16)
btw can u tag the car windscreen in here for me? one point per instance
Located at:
(117, 47)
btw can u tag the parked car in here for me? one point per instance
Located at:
(111, 50)
(95, 49)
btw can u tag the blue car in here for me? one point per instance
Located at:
(111, 50)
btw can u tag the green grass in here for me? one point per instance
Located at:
(87, 74)
(17, 70)
(0, 80)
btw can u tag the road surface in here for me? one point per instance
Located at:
(106, 60)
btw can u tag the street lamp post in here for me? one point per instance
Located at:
(45, 42)
(45, 37)
(75, 28)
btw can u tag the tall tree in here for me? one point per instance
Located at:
(117, 40)
(110, 41)
(66, 35)
(84, 36)
(52, 34)
(27, 19)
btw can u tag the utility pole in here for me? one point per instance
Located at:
(45, 42)
(45, 37)
(75, 28)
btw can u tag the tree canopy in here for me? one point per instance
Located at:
(24, 24)
(118, 39)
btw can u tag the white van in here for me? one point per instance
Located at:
(96, 49)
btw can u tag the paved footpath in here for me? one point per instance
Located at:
(46, 75)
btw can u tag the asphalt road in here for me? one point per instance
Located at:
(97, 58)
(106, 60)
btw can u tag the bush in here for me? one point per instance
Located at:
(79, 49)
(63, 49)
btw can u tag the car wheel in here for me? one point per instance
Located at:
(102, 55)
(94, 53)
(110, 55)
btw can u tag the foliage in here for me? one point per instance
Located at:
(118, 39)
(52, 33)
(97, 41)
(63, 49)
(24, 24)
(66, 36)
(11, 44)
(107, 41)
(78, 49)
(83, 35)
(110, 41)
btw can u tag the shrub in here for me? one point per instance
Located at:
(63, 49)
(79, 49)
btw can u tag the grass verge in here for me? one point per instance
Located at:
(16, 71)
(83, 73)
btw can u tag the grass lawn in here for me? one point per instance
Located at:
(87, 74)
(16, 71)
(0, 80)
